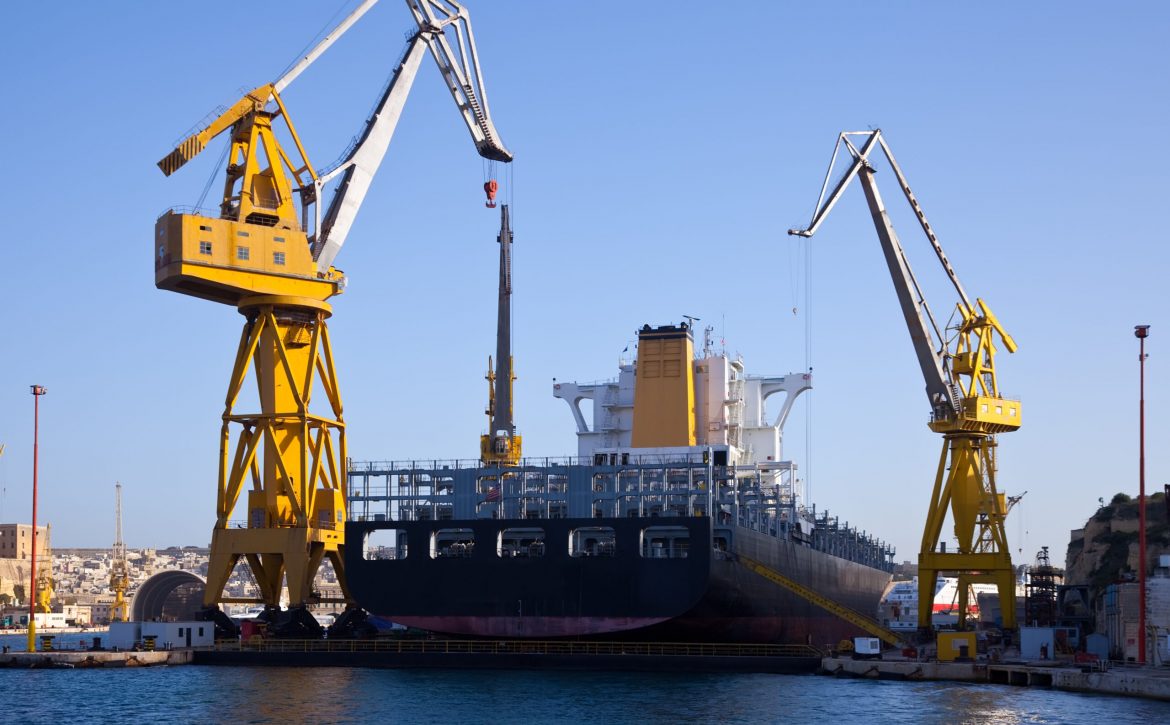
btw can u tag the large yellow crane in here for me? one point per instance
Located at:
(119, 568)
(45, 583)
(44, 591)
(961, 384)
(269, 252)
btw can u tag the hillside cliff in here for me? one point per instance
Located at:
(1106, 549)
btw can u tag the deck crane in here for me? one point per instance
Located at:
(119, 569)
(961, 385)
(269, 253)
(501, 445)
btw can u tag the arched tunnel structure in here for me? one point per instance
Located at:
(175, 596)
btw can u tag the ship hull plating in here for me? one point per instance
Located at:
(630, 592)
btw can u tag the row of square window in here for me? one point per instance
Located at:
(242, 253)
(204, 228)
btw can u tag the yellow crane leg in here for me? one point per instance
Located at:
(274, 556)
(966, 489)
(120, 609)
(857, 619)
(293, 458)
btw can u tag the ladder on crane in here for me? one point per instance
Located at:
(837, 609)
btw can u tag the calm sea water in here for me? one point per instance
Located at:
(198, 694)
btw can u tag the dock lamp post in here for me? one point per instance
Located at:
(37, 391)
(1142, 332)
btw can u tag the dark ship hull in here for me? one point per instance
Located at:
(741, 606)
(629, 592)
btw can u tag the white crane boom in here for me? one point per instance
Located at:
(463, 75)
(463, 79)
(322, 46)
(945, 399)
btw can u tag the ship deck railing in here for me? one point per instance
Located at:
(690, 459)
(517, 647)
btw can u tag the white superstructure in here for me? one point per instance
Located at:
(730, 414)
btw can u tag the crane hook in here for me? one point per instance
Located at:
(491, 187)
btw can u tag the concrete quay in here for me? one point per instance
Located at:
(1147, 682)
(904, 669)
(70, 659)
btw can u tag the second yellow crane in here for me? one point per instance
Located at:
(963, 390)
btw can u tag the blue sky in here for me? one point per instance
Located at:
(662, 153)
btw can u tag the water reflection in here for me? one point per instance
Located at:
(351, 695)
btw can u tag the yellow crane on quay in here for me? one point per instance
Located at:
(269, 252)
(119, 568)
(963, 390)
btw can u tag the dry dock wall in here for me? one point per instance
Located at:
(68, 660)
(905, 669)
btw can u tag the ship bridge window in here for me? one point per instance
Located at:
(665, 542)
(592, 541)
(384, 544)
(452, 543)
(520, 543)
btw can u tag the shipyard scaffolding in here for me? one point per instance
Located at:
(1040, 593)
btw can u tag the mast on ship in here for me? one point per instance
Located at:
(501, 445)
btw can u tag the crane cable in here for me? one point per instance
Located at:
(313, 41)
(808, 366)
(511, 188)
(214, 173)
(800, 265)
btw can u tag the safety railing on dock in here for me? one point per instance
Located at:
(515, 647)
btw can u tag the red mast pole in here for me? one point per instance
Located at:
(37, 391)
(1141, 332)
